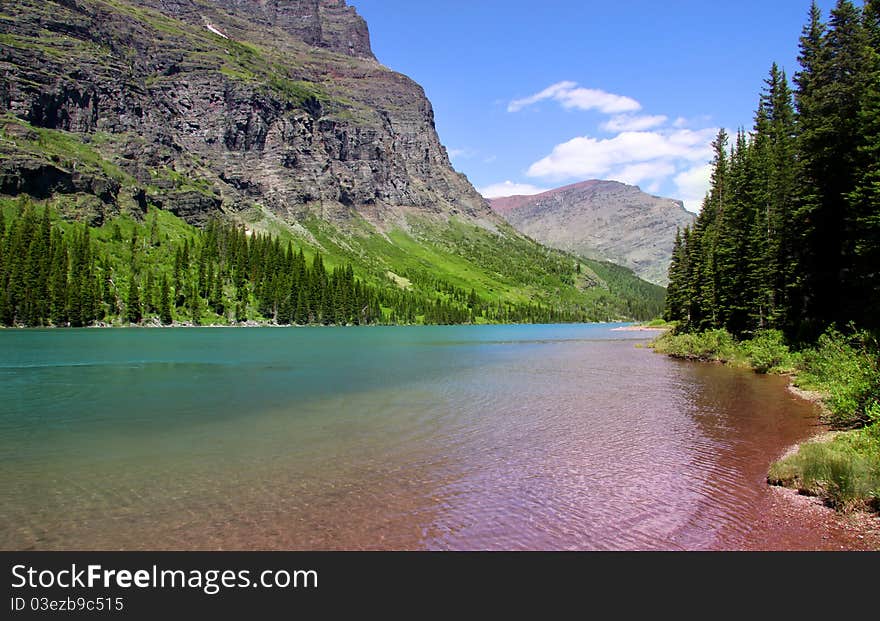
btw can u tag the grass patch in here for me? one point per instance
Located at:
(183, 182)
(62, 148)
(844, 471)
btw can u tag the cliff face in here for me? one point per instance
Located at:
(602, 220)
(330, 24)
(223, 105)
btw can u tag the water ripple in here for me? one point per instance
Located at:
(536, 442)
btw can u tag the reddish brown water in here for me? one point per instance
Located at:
(490, 438)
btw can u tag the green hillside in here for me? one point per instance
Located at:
(159, 269)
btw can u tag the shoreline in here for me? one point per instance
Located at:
(823, 432)
(266, 324)
(640, 329)
(860, 527)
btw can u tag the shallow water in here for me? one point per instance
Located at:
(493, 437)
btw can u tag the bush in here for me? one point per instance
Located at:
(767, 352)
(717, 345)
(848, 370)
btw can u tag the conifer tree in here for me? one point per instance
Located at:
(147, 296)
(830, 84)
(195, 305)
(154, 228)
(165, 315)
(133, 310)
(864, 225)
(58, 280)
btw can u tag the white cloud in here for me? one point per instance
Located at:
(586, 157)
(509, 188)
(692, 185)
(570, 95)
(634, 174)
(664, 154)
(460, 153)
(550, 92)
(630, 123)
(697, 121)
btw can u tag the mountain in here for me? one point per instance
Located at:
(271, 114)
(602, 220)
(280, 104)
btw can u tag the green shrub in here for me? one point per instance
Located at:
(712, 345)
(848, 370)
(767, 352)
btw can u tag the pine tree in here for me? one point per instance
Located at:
(148, 294)
(42, 248)
(108, 288)
(216, 296)
(195, 305)
(154, 228)
(831, 84)
(781, 198)
(676, 303)
(134, 246)
(165, 315)
(864, 225)
(133, 310)
(812, 134)
(301, 314)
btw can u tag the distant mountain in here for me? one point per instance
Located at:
(603, 220)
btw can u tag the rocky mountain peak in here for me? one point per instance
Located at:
(605, 220)
(330, 24)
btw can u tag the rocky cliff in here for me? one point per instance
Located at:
(201, 106)
(331, 24)
(602, 220)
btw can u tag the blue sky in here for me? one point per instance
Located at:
(534, 95)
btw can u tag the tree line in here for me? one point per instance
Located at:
(789, 233)
(54, 275)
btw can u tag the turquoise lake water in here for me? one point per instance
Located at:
(483, 437)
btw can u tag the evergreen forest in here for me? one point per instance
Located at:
(162, 271)
(789, 234)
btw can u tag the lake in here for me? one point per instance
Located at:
(463, 438)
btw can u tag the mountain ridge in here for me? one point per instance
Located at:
(605, 220)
